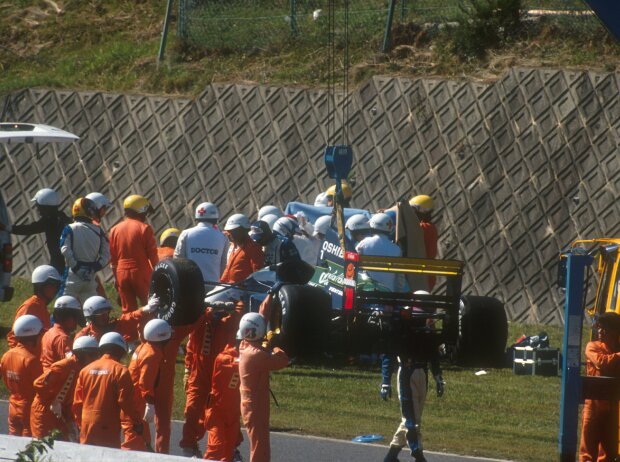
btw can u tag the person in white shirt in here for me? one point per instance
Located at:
(206, 245)
(306, 242)
(86, 249)
(321, 225)
(379, 244)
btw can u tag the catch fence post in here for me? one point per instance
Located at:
(293, 17)
(388, 26)
(164, 34)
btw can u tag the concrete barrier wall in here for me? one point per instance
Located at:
(518, 168)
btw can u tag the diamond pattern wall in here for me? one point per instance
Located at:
(518, 168)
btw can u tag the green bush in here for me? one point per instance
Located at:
(484, 25)
(35, 450)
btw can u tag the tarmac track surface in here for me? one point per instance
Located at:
(287, 447)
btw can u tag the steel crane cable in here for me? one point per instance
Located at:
(331, 32)
(345, 96)
(331, 77)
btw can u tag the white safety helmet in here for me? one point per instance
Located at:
(113, 338)
(270, 220)
(269, 210)
(420, 292)
(67, 302)
(207, 211)
(252, 327)
(357, 222)
(322, 224)
(46, 196)
(238, 220)
(99, 199)
(95, 304)
(45, 273)
(157, 330)
(381, 222)
(320, 200)
(27, 326)
(85, 342)
(285, 226)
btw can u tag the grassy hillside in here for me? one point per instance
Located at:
(112, 45)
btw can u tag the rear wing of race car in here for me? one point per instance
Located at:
(452, 270)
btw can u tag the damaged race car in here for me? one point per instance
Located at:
(337, 308)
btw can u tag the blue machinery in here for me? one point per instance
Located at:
(571, 362)
(576, 388)
(338, 161)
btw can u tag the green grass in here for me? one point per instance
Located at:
(112, 45)
(478, 415)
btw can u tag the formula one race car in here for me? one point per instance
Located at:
(337, 308)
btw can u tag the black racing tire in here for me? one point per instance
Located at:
(178, 284)
(483, 332)
(305, 318)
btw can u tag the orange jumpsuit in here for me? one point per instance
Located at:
(144, 371)
(190, 352)
(598, 438)
(55, 344)
(255, 363)
(57, 383)
(165, 252)
(209, 338)
(20, 366)
(128, 325)
(35, 306)
(222, 418)
(430, 244)
(103, 389)
(243, 260)
(133, 254)
(164, 389)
